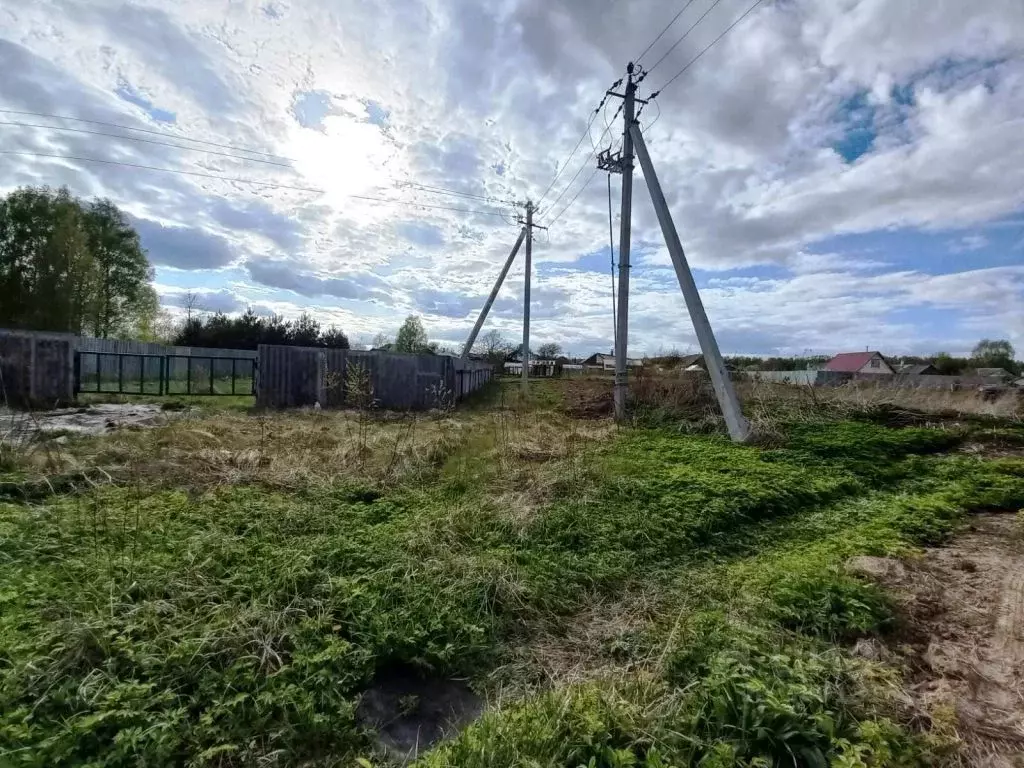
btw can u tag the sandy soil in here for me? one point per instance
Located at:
(963, 641)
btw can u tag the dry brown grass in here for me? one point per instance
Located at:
(523, 454)
(1006, 405)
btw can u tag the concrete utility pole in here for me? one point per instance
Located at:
(739, 428)
(526, 297)
(494, 293)
(622, 318)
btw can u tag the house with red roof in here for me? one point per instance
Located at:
(859, 362)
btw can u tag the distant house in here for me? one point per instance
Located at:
(995, 373)
(917, 369)
(603, 362)
(859, 362)
(538, 367)
(691, 363)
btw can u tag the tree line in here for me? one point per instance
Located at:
(249, 330)
(72, 266)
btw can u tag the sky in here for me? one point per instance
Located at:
(843, 174)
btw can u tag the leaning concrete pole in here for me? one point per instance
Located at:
(739, 428)
(490, 299)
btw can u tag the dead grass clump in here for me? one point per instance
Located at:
(283, 450)
(598, 642)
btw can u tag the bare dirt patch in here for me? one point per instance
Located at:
(86, 420)
(587, 398)
(963, 643)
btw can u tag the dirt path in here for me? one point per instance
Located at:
(964, 640)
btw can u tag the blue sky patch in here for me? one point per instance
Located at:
(376, 114)
(126, 92)
(309, 108)
(857, 117)
(421, 234)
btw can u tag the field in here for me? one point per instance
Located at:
(325, 588)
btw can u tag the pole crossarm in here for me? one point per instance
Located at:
(739, 428)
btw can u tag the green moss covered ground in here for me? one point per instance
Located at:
(238, 625)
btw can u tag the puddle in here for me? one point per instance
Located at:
(411, 713)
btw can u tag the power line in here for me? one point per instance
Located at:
(425, 187)
(143, 140)
(586, 160)
(663, 31)
(708, 47)
(585, 134)
(166, 134)
(565, 165)
(453, 192)
(685, 35)
(244, 181)
(578, 193)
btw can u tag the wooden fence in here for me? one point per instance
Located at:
(36, 371)
(290, 377)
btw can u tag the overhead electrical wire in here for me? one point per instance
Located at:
(586, 160)
(565, 164)
(580, 190)
(166, 134)
(14, 123)
(453, 192)
(680, 40)
(287, 164)
(663, 31)
(578, 193)
(254, 182)
(585, 134)
(706, 48)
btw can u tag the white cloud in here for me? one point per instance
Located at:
(489, 99)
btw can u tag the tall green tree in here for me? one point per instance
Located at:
(45, 269)
(71, 267)
(412, 337)
(994, 353)
(122, 271)
(305, 331)
(550, 350)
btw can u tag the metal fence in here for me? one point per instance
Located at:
(162, 375)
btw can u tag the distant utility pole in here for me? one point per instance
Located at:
(526, 297)
(525, 234)
(739, 428)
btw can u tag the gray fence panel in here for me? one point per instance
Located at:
(131, 347)
(292, 376)
(35, 370)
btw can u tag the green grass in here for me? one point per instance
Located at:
(241, 624)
